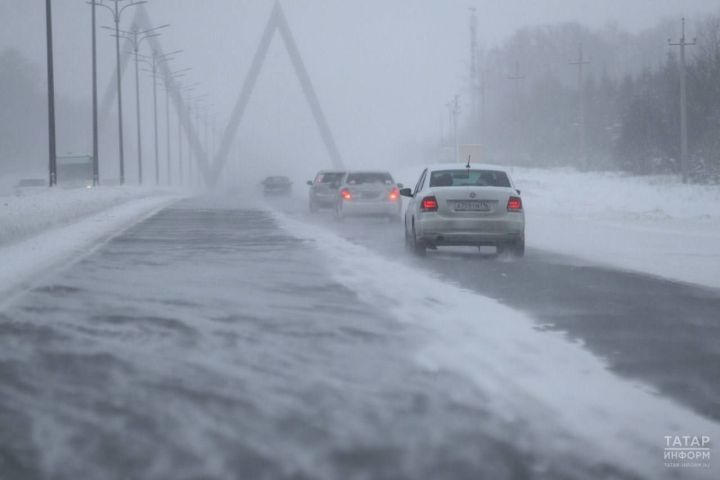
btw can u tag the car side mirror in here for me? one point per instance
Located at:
(518, 191)
(309, 183)
(406, 192)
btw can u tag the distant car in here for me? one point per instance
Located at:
(277, 185)
(371, 193)
(324, 190)
(465, 206)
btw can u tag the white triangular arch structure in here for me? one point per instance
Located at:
(211, 172)
(276, 23)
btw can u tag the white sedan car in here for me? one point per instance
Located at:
(458, 205)
(368, 193)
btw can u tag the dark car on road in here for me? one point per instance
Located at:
(277, 185)
(324, 189)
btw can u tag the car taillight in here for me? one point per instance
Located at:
(429, 204)
(345, 194)
(514, 204)
(394, 194)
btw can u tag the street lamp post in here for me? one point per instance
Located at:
(155, 59)
(96, 146)
(169, 83)
(52, 164)
(136, 37)
(117, 12)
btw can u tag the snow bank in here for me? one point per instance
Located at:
(567, 401)
(652, 225)
(40, 231)
(38, 210)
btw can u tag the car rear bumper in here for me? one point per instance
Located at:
(358, 208)
(436, 230)
(324, 200)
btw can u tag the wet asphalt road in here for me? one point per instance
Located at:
(205, 342)
(663, 333)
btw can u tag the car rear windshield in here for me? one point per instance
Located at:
(275, 180)
(329, 177)
(465, 178)
(369, 177)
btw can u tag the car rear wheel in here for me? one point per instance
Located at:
(313, 207)
(515, 248)
(418, 248)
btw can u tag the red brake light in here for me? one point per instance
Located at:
(394, 194)
(514, 204)
(345, 194)
(429, 204)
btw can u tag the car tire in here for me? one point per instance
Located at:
(312, 206)
(418, 248)
(517, 249)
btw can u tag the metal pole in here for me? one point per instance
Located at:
(181, 178)
(52, 164)
(119, 95)
(683, 104)
(96, 147)
(137, 105)
(455, 113)
(167, 132)
(190, 153)
(157, 151)
(582, 131)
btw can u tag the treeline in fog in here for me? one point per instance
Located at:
(23, 113)
(24, 117)
(524, 104)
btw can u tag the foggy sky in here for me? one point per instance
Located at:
(383, 69)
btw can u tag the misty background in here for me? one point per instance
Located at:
(384, 73)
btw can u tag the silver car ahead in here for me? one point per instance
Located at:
(368, 193)
(324, 190)
(465, 206)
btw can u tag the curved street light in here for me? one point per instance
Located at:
(117, 12)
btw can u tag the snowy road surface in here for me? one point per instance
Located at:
(217, 341)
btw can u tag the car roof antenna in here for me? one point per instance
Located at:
(468, 162)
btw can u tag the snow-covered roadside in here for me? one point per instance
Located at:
(569, 405)
(651, 225)
(23, 261)
(36, 211)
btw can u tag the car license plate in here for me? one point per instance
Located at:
(472, 206)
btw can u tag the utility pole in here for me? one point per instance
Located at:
(474, 84)
(117, 12)
(683, 102)
(483, 103)
(516, 78)
(52, 149)
(96, 144)
(582, 132)
(454, 111)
